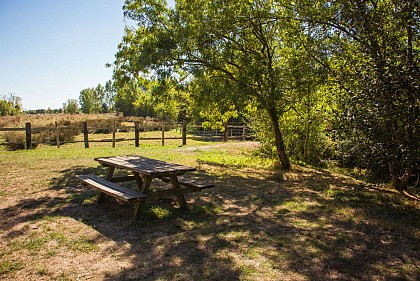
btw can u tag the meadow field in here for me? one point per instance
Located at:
(255, 224)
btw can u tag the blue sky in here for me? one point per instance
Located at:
(52, 49)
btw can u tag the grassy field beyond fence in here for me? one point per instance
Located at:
(27, 133)
(256, 224)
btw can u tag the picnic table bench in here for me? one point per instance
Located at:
(144, 171)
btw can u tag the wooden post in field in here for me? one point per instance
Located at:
(163, 133)
(85, 134)
(225, 135)
(113, 133)
(243, 132)
(136, 133)
(28, 135)
(57, 134)
(184, 132)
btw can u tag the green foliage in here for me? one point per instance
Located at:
(71, 107)
(9, 266)
(234, 51)
(377, 61)
(89, 101)
(307, 73)
(99, 99)
(10, 105)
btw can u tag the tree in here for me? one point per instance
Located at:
(108, 103)
(71, 106)
(126, 96)
(89, 99)
(375, 52)
(100, 103)
(239, 45)
(10, 104)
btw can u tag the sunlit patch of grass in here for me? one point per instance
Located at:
(208, 208)
(42, 271)
(159, 212)
(223, 156)
(305, 224)
(248, 272)
(398, 268)
(57, 236)
(33, 243)
(295, 206)
(346, 214)
(83, 245)
(84, 198)
(7, 267)
(51, 253)
(252, 252)
(235, 236)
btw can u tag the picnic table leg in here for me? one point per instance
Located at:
(143, 186)
(137, 207)
(108, 177)
(180, 197)
(139, 181)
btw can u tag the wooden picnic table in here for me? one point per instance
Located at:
(144, 170)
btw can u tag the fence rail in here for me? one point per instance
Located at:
(186, 131)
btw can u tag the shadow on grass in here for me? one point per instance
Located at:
(315, 227)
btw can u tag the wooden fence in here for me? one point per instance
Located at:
(193, 132)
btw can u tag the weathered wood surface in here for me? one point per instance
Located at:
(144, 165)
(112, 189)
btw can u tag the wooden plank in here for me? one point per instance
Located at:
(12, 129)
(123, 178)
(145, 166)
(112, 189)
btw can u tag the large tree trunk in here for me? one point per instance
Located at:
(278, 139)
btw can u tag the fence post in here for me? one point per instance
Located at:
(113, 133)
(163, 133)
(136, 133)
(57, 134)
(85, 134)
(243, 132)
(28, 135)
(184, 132)
(225, 135)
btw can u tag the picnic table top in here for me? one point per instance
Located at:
(144, 165)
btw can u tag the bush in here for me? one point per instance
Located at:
(16, 141)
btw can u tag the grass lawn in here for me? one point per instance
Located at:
(256, 224)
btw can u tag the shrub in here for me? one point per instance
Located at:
(16, 140)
